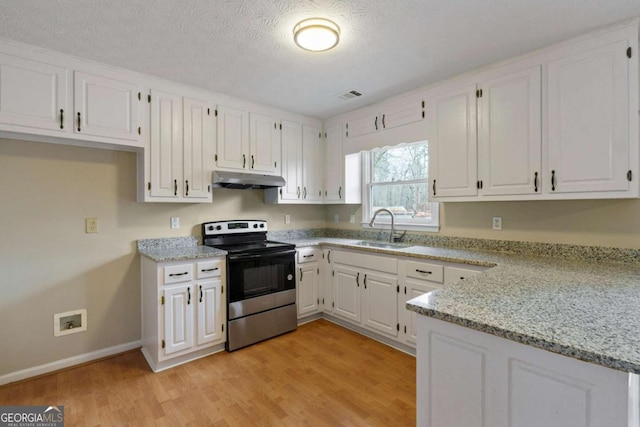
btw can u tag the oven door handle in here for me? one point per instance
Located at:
(245, 256)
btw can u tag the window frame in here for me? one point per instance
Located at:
(400, 223)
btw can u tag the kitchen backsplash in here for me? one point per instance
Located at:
(594, 253)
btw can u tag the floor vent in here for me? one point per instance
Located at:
(349, 95)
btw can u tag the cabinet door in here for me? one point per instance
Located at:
(312, 163)
(510, 134)
(452, 143)
(33, 94)
(363, 126)
(327, 294)
(334, 165)
(380, 303)
(264, 143)
(210, 312)
(198, 147)
(346, 292)
(308, 287)
(105, 107)
(233, 138)
(291, 160)
(413, 289)
(178, 318)
(166, 144)
(401, 112)
(588, 125)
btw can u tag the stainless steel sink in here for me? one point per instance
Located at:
(382, 245)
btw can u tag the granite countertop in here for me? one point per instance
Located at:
(176, 249)
(584, 309)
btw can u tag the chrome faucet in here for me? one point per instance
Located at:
(392, 236)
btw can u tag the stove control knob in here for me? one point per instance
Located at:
(210, 227)
(261, 225)
(255, 225)
(218, 227)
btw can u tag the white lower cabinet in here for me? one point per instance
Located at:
(467, 378)
(371, 291)
(308, 286)
(416, 278)
(183, 310)
(365, 290)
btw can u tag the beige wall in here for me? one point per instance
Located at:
(49, 265)
(614, 223)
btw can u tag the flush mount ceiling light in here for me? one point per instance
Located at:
(316, 34)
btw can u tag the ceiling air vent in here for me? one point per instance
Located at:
(349, 95)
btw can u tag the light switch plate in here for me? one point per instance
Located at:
(287, 219)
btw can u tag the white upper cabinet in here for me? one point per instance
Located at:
(165, 150)
(198, 142)
(233, 138)
(264, 144)
(510, 133)
(302, 165)
(179, 156)
(247, 142)
(560, 124)
(312, 163)
(452, 139)
(334, 165)
(33, 94)
(105, 106)
(342, 175)
(588, 119)
(391, 114)
(39, 96)
(291, 161)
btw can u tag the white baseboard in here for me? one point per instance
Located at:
(68, 362)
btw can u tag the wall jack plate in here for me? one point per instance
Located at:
(69, 322)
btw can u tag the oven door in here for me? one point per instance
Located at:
(254, 275)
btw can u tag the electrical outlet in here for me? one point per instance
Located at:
(175, 222)
(352, 219)
(91, 225)
(336, 218)
(497, 223)
(287, 219)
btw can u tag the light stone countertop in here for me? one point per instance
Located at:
(588, 310)
(176, 249)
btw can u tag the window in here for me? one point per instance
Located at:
(397, 180)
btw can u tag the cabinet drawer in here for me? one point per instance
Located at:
(455, 274)
(425, 271)
(178, 273)
(308, 255)
(211, 268)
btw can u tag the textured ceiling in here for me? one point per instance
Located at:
(245, 48)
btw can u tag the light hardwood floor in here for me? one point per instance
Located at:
(320, 375)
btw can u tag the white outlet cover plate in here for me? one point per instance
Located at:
(175, 222)
(497, 223)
